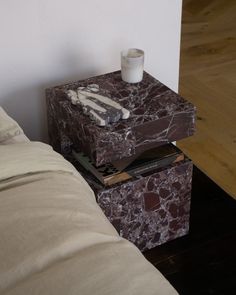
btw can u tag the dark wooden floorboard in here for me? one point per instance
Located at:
(203, 262)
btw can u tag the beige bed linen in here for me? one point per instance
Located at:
(34, 157)
(54, 237)
(10, 131)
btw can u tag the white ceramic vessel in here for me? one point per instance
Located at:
(132, 63)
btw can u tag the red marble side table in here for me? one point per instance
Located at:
(150, 208)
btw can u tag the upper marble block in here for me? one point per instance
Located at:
(157, 116)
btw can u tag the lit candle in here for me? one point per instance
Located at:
(132, 62)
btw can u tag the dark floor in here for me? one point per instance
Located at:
(203, 262)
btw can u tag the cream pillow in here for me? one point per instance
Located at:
(10, 131)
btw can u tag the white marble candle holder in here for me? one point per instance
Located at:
(132, 62)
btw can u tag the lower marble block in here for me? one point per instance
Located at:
(151, 209)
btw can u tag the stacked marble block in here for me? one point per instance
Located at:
(151, 208)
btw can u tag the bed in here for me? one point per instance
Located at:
(54, 237)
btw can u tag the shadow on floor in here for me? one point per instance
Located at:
(203, 262)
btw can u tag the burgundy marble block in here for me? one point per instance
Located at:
(157, 116)
(150, 209)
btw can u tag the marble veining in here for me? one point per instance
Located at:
(157, 116)
(149, 209)
(152, 208)
(101, 109)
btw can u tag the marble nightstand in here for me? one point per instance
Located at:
(152, 207)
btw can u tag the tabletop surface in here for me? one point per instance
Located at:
(147, 101)
(158, 116)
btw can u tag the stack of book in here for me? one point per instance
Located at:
(126, 168)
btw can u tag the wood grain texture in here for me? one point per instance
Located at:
(208, 79)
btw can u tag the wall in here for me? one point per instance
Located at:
(49, 42)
